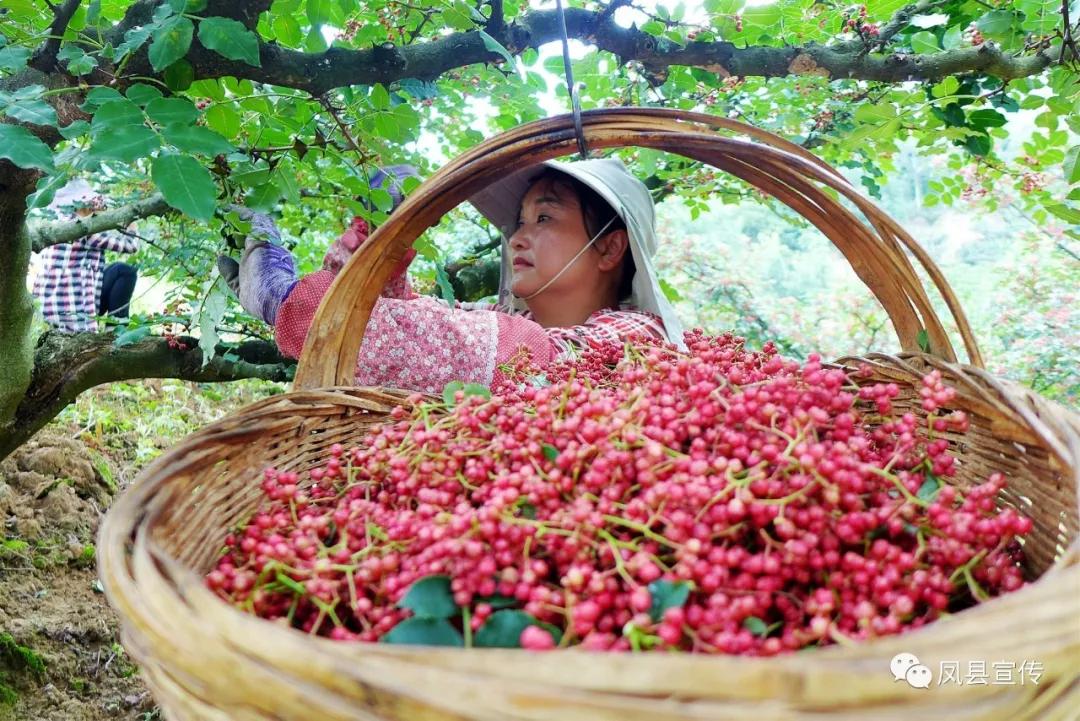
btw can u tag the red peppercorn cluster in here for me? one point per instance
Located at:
(174, 342)
(716, 500)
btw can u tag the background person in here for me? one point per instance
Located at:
(72, 285)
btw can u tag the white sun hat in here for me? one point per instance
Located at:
(77, 190)
(500, 203)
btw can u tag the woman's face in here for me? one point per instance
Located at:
(550, 232)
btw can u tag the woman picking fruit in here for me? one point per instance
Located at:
(576, 269)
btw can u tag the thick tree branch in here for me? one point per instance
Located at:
(318, 73)
(42, 235)
(67, 365)
(44, 58)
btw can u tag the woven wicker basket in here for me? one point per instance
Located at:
(205, 660)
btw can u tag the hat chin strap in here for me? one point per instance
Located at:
(571, 261)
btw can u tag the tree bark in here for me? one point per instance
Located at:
(42, 235)
(16, 306)
(67, 365)
(319, 73)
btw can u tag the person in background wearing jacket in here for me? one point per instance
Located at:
(576, 268)
(72, 286)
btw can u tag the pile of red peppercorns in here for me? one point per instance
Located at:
(714, 500)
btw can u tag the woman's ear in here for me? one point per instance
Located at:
(612, 247)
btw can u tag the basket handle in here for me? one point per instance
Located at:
(876, 250)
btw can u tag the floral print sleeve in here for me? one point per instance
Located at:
(422, 344)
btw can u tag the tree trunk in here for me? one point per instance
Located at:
(16, 305)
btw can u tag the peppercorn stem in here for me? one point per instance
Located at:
(643, 530)
(899, 485)
(466, 626)
(619, 566)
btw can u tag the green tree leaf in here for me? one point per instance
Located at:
(285, 180)
(196, 139)
(141, 93)
(208, 317)
(929, 488)
(380, 98)
(947, 86)
(755, 625)
(116, 115)
(923, 339)
(24, 149)
(924, 42)
(224, 120)
(1001, 26)
(324, 12)
(1065, 212)
(132, 336)
(475, 389)
(78, 62)
(186, 185)
(442, 280)
(287, 30)
(171, 42)
(13, 58)
(133, 40)
(424, 632)
(37, 112)
(430, 598)
(97, 97)
(871, 113)
(128, 145)
(1072, 167)
(46, 189)
(450, 390)
(665, 595)
(179, 76)
(75, 129)
(496, 47)
(503, 629)
(171, 111)
(986, 119)
(230, 39)
(979, 144)
(419, 89)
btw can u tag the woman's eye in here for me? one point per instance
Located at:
(542, 218)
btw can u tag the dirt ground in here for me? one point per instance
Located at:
(60, 655)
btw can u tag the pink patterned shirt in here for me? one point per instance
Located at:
(420, 343)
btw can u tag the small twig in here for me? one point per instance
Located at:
(1067, 40)
(496, 21)
(45, 57)
(1066, 251)
(608, 11)
(157, 247)
(329, 107)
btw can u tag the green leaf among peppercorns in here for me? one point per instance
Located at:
(430, 598)
(424, 632)
(665, 595)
